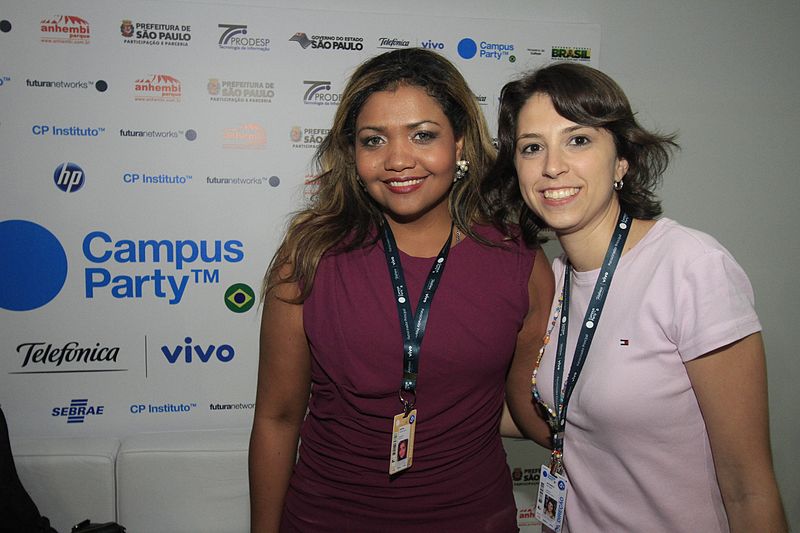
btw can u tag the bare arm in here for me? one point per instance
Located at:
(541, 286)
(284, 384)
(731, 387)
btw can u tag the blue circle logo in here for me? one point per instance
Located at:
(33, 265)
(69, 177)
(467, 48)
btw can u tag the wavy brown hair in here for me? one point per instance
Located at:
(341, 215)
(588, 97)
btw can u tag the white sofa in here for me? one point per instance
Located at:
(170, 482)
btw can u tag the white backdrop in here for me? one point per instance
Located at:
(151, 153)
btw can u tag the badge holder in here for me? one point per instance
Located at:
(403, 428)
(551, 498)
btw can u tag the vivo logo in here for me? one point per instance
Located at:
(223, 353)
(432, 45)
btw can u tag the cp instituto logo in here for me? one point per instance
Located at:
(33, 265)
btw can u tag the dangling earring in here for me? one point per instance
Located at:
(462, 167)
(618, 185)
(361, 183)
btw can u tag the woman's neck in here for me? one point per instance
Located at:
(587, 249)
(423, 237)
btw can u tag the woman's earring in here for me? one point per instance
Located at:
(618, 185)
(462, 167)
(361, 183)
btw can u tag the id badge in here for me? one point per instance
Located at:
(402, 453)
(551, 498)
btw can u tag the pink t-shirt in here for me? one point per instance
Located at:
(636, 449)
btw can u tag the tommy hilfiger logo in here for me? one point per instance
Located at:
(624, 342)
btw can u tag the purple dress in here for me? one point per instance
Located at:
(459, 480)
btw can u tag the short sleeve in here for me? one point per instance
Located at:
(715, 304)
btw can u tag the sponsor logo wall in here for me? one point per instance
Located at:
(151, 155)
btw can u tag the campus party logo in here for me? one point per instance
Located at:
(100, 248)
(33, 265)
(78, 410)
(468, 48)
(188, 352)
(69, 177)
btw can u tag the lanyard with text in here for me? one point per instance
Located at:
(412, 327)
(562, 394)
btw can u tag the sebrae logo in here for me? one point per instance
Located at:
(157, 88)
(64, 29)
(78, 410)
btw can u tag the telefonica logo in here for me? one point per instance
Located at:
(392, 43)
(64, 29)
(43, 357)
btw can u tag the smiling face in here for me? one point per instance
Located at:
(566, 171)
(405, 153)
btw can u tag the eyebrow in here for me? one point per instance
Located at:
(570, 129)
(410, 126)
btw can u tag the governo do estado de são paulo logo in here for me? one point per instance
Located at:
(33, 265)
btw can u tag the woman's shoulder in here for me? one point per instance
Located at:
(681, 240)
(508, 240)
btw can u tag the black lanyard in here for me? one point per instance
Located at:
(561, 395)
(412, 328)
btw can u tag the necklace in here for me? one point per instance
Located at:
(545, 342)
